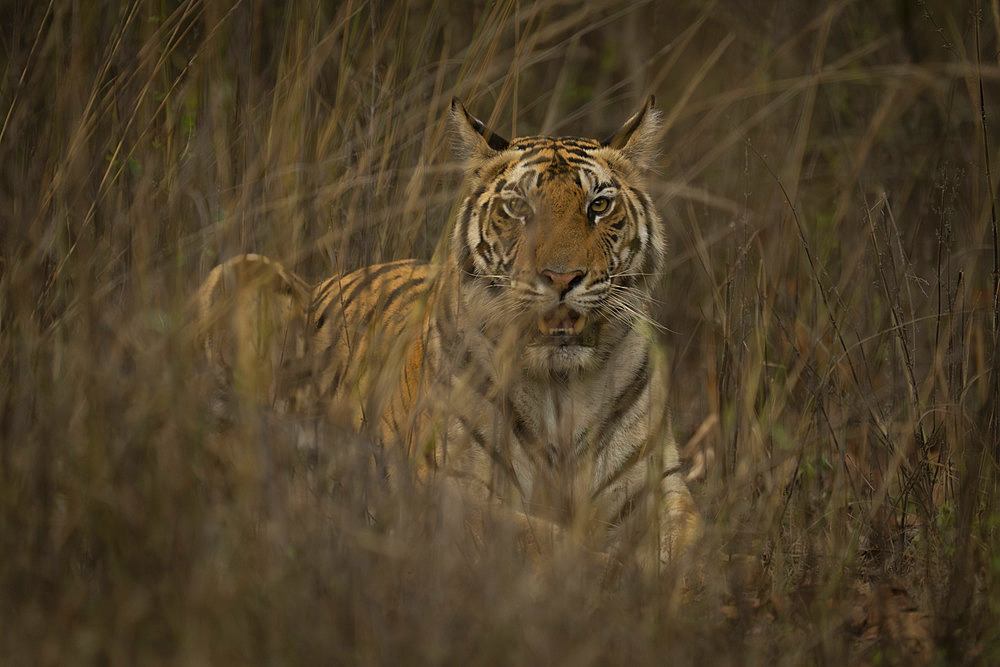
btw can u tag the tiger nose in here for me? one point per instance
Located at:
(562, 281)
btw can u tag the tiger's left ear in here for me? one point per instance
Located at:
(638, 137)
(471, 138)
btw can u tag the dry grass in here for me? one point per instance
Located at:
(828, 182)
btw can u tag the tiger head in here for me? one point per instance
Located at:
(555, 238)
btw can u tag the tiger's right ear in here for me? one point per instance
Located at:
(471, 138)
(637, 139)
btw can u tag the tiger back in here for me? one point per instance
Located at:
(523, 363)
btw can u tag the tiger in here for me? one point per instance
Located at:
(523, 363)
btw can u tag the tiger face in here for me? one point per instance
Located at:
(555, 239)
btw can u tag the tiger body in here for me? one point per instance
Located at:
(522, 364)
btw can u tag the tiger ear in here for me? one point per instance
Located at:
(470, 136)
(638, 138)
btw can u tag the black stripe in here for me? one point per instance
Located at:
(355, 285)
(323, 318)
(341, 282)
(631, 502)
(520, 427)
(384, 302)
(623, 468)
(502, 462)
(484, 386)
(548, 175)
(464, 258)
(405, 286)
(483, 250)
(622, 403)
(538, 161)
(635, 245)
(468, 267)
(463, 219)
(620, 223)
(579, 152)
(323, 291)
(369, 276)
(573, 161)
(533, 142)
(647, 203)
(632, 211)
(633, 499)
(581, 142)
(502, 213)
(529, 153)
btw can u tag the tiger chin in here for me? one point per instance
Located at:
(522, 366)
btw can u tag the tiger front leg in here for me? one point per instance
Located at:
(680, 522)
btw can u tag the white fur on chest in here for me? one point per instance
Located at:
(576, 430)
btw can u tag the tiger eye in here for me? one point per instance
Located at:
(517, 207)
(600, 205)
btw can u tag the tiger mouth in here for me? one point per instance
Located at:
(565, 326)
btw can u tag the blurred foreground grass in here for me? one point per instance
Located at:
(827, 187)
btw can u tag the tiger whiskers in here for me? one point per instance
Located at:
(621, 310)
(637, 274)
(640, 295)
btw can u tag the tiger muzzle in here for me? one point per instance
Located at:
(565, 326)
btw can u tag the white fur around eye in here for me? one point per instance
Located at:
(516, 207)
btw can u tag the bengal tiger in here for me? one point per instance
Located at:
(522, 363)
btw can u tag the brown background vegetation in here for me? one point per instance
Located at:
(830, 298)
